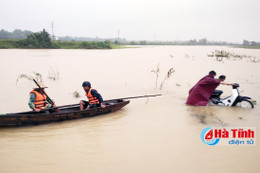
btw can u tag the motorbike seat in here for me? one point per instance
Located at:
(216, 93)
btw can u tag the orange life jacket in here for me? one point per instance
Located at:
(91, 98)
(40, 101)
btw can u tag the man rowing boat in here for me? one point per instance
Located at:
(38, 100)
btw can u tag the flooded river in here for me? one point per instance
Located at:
(156, 135)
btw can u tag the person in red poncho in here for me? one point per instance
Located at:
(200, 93)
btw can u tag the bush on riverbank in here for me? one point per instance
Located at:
(38, 40)
(83, 45)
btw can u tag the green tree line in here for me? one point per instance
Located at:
(42, 40)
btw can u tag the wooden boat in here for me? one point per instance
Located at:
(67, 112)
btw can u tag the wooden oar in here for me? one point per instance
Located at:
(124, 98)
(143, 96)
(132, 97)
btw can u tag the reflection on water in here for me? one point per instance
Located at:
(149, 135)
(206, 116)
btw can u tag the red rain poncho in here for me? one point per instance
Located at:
(199, 94)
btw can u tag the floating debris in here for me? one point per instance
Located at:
(156, 72)
(254, 102)
(220, 55)
(54, 75)
(35, 75)
(76, 94)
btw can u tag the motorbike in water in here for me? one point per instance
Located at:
(233, 100)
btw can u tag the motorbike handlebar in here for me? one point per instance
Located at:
(235, 85)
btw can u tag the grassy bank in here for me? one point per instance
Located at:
(14, 44)
(7, 44)
(249, 47)
(83, 45)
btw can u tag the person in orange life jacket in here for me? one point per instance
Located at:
(95, 99)
(38, 100)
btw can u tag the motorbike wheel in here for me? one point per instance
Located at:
(245, 104)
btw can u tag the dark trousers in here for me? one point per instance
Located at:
(86, 103)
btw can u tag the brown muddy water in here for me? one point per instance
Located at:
(156, 135)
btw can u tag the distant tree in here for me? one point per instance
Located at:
(4, 34)
(246, 43)
(40, 40)
(253, 43)
(203, 41)
(133, 43)
(193, 42)
(143, 43)
(117, 42)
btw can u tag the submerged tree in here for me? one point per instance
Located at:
(156, 72)
(169, 74)
(35, 75)
(54, 75)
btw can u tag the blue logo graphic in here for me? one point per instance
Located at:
(207, 136)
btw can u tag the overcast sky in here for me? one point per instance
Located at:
(219, 20)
